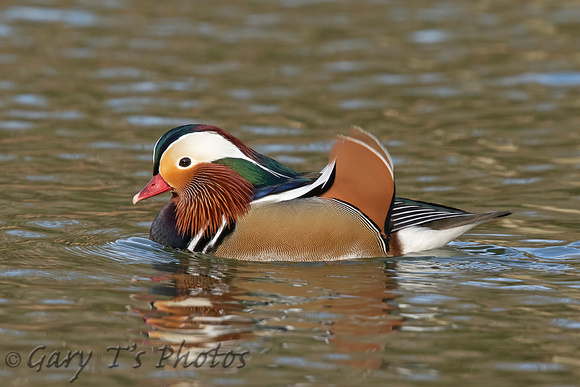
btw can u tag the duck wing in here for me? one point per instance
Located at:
(418, 226)
(411, 213)
(363, 176)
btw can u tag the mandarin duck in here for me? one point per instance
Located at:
(233, 202)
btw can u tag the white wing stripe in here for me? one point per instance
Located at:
(426, 219)
(424, 215)
(326, 173)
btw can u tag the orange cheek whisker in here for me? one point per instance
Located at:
(215, 192)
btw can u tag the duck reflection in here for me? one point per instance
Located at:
(203, 307)
(202, 302)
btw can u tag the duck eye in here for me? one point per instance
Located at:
(185, 162)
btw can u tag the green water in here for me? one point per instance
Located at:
(477, 103)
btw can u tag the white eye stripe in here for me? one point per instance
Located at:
(206, 147)
(203, 147)
(199, 147)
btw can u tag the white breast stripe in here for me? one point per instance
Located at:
(193, 243)
(216, 236)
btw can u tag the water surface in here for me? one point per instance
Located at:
(477, 103)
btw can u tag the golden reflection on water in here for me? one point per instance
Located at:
(228, 305)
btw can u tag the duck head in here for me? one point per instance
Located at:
(211, 174)
(191, 161)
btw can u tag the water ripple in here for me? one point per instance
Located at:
(128, 251)
(51, 15)
(546, 79)
(430, 36)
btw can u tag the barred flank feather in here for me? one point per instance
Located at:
(215, 193)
